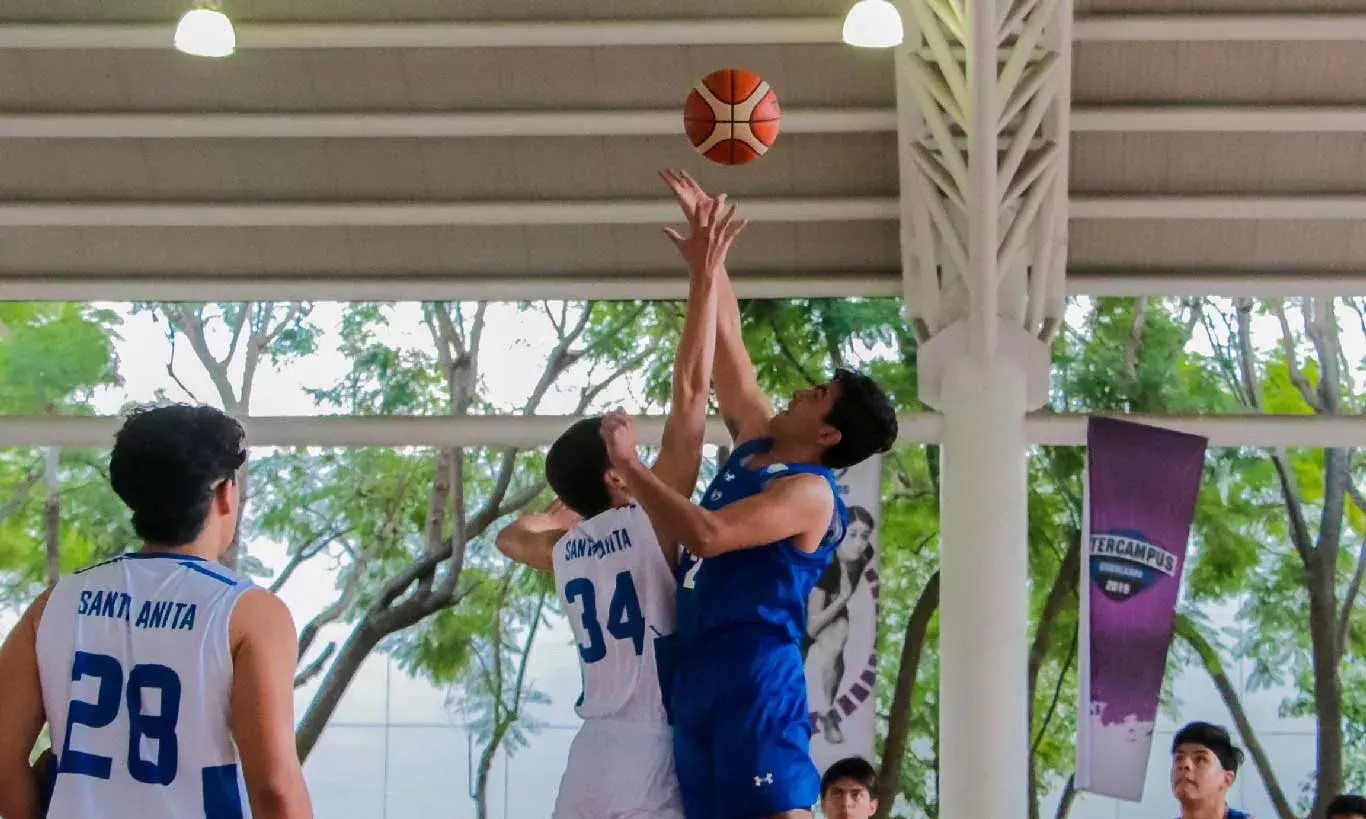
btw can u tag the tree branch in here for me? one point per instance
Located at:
(1354, 587)
(1288, 346)
(20, 495)
(313, 669)
(306, 553)
(894, 747)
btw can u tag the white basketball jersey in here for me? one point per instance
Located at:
(136, 671)
(618, 593)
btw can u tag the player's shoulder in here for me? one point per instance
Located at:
(260, 613)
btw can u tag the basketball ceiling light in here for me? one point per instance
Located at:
(873, 24)
(205, 31)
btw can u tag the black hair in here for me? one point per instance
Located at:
(1346, 805)
(865, 417)
(860, 515)
(851, 767)
(1213, 737)
(166, 464)
(576, 468)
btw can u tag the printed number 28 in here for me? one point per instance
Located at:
(624, 620)
(105, 709)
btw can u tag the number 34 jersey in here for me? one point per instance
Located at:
(618, 594)
(136, 671)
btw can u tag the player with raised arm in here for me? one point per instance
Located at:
(755, 547)
(614, 567)
(166, 679)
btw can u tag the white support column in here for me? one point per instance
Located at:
(984, 250)
(983, 566)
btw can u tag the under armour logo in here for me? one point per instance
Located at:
(766, 779)
(730, 476)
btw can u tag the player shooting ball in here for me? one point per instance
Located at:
(765, 531)
(614, 566)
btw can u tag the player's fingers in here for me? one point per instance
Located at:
(735, 228)
(674, 236)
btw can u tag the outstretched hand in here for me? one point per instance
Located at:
(712, 229)
(686, 190)
(619, 433)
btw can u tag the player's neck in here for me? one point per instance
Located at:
(1215, 810)
(783, 452)
(199, 549)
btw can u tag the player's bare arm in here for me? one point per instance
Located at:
(261, 712)
(21, 693)
(530, 539)
(712, 229)
(798, 507)
(744, 406)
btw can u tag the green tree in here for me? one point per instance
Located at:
(1300, 594)
(53, 357)
(230, 341)
(413, 528)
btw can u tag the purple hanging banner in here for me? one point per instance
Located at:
(1141, 487)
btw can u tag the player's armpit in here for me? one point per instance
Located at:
(21, 693)
(796, 507)
(261, 710)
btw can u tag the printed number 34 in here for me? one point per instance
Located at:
(624, 618)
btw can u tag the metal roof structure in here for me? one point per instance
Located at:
(418, 149)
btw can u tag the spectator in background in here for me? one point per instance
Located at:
(848, 789)
(1204, 766)
(1347, 806)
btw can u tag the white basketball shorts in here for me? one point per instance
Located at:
(620, 770)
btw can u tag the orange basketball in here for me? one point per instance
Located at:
(731, 117)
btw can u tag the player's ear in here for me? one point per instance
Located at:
(616, 484)
(828, 436)
(225, 496)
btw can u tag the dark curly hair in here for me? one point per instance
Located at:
(1347, 806)
(576, 466)
(1213, 737)
(855, 768)
(865, 417)
(166, 463)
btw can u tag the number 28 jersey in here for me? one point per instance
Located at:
(136, 672)
(618, 594)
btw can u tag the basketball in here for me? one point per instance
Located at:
(731, 117)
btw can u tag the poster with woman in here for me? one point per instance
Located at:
(840, 648)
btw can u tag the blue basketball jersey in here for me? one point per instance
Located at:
(764, 588)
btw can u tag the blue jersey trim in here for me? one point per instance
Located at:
(167, 555)
(191, 565)
(108, 562)
(222, 798)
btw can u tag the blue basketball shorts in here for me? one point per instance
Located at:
(742, 747)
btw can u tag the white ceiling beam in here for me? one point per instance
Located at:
(1222, 208)
(411, 125)
(1041, 428)
(663, 286)
(529, 34)
(409, 214)
(1250, 119)
(488, 124)
(780, 31)
(627, 212)
(1221, 28)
